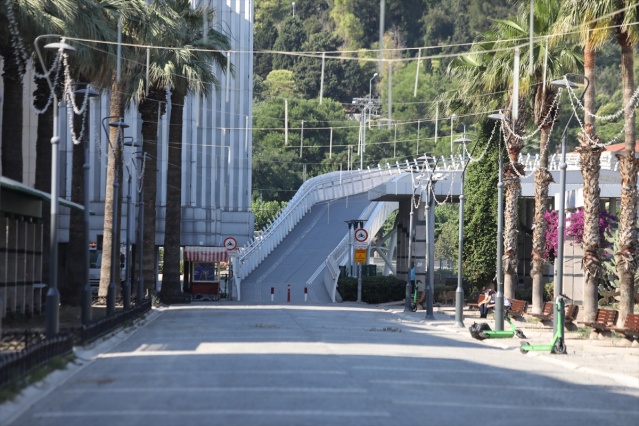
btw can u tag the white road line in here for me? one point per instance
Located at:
(198, 389)
(215, 412)
(535, 409)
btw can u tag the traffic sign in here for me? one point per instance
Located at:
(361, 235)
(230, 243)
(360, 255)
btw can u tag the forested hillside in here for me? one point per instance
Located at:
(314, 57)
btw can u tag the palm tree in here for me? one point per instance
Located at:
(193, 73)
(593, 18)
(626, 259)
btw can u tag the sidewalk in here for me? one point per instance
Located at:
(613, 357)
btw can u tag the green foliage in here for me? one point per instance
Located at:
(480, 216)
(377, 289)
(266, 211)
(549, 291)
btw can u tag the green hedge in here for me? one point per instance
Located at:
(375, 290)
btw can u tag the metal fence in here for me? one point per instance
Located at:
(23, 352)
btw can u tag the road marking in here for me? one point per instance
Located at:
(224, 389)
(212, 412)
(517, 408)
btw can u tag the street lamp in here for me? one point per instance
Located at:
(459, 293)
(370, 98)
(142, 156)
(53, 295)
(293, 3)
(499, 297)
(407, 307)
(563, 83)
(430, 240)
(126, 297)
(452, 118)
(115, 259)
(86, 289)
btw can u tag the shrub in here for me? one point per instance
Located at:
(375, 289)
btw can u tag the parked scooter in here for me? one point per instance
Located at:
(558, 344)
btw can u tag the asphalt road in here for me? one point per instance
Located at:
(347, 364)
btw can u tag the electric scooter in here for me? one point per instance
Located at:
(504, 334)
(558, 344)
(413, 305)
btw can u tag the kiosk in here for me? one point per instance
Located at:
(203, 266)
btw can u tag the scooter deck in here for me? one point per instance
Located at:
(499, 334)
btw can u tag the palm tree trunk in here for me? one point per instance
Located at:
(151, 109)
(171, 290)
(12, 119)
(589, 160)
(543, 178)
(626, 258)
(111, 238)
(74, 280)
(43, 165)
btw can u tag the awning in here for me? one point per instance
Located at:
(205, 254)
(20, 187)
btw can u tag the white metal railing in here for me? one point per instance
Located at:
(326, 187)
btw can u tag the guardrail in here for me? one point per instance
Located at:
(326, 187)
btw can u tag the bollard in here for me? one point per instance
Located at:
(305, 294)
(272, 294)
(288, 295)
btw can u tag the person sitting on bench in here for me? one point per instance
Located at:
(489, 303)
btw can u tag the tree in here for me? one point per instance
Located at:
(626, 260)
(191, 73)
(290, 38)
(593, 20)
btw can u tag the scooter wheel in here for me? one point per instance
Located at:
(520, 334)
(414, 308)
(560, 347)
(521, 347)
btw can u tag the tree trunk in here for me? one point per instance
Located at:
(151, 110)
(71, 291)
(626, 259)
(543, 178)
(43, 166)
(171, 290)
(12, 119)
(590, 167)
(110, 232)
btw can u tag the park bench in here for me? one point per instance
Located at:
(571, 312)
(630, 327)
(517, 307)
(605, 318)
(475, 304)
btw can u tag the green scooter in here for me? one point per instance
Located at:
(505, 334)
(482, 331)
(558, 345)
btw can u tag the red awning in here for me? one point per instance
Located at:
(205, 254)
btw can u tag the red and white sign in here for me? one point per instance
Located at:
(230, 243)
(361, 235)
(205, 254)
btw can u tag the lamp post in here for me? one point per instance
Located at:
(126, 290)
(430, 242)
(459, 293)
(407, 307)
(53, 294)
(452, 118)
(142, 156)
(370, 98)
(115, 259)
(86, 289)
(293, 3)
(559, 280)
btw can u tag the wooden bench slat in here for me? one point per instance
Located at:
(630, 326)
(605, 318)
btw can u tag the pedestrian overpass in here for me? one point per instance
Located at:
(299, 254)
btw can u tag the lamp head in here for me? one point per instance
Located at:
(499, 116)
(563, 83)
(87, 91)
(119, 124)
(463, 140)
(66, 48)
(129, 141)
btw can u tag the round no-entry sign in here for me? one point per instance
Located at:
(230, 243)
(361, 235)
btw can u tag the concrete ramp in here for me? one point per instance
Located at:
(302, 252)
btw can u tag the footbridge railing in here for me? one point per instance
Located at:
(326, 187)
